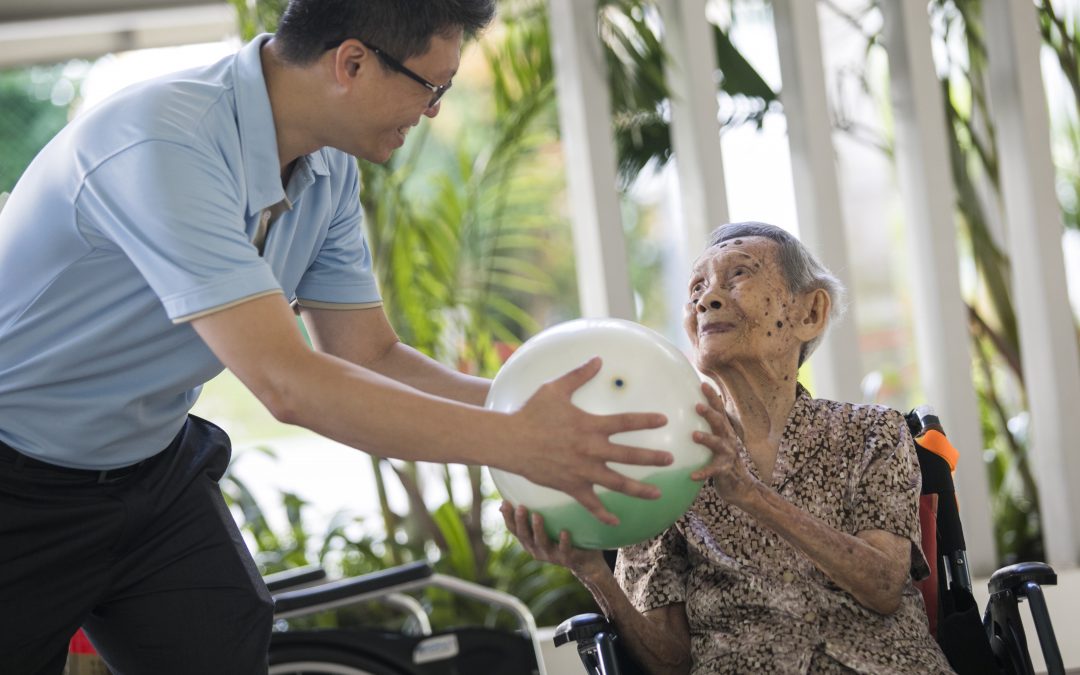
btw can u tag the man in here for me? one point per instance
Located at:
(162, 236)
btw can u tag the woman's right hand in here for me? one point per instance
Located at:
(529, 529)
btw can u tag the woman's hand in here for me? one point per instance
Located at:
(731, 478)
(529, 529)
(658, 639)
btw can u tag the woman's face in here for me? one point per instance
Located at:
(739, 307)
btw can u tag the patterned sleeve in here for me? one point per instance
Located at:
(653, 573)
(887, 498)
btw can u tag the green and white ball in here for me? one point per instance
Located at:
(641, 372)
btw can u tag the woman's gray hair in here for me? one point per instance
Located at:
(802, 271)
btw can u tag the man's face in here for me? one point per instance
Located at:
(392, 103)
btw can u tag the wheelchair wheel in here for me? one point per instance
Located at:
(323, 660)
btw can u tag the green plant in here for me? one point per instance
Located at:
(34, 104)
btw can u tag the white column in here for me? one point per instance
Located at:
(585, 121)
(695, 128)
(941, 330)
(837, 366)
(1048, 348)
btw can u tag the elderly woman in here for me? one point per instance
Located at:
(799, 553)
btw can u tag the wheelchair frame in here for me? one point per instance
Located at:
(304, 592)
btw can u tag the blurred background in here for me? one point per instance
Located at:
(472, 226)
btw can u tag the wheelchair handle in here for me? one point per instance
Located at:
(294, 578)
(1015, 578)
(580, 627)
(347, 591)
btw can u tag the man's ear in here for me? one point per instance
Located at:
(814, 306)
(349, 60)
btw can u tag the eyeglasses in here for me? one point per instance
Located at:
(437, 91)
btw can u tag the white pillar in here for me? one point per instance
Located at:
(695, 128)
(587, 139)
(1048, 348)
(837, 366)
(941, 330)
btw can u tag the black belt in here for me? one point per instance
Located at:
(101, 476)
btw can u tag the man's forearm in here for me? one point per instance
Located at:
(372, 411)
(548, 440)
(405, 364)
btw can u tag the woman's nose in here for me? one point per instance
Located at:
(705, 304)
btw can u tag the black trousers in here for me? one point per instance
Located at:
(148, 561)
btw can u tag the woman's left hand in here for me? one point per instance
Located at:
(529, 529)
(731, 478)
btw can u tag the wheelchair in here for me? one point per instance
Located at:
(416, 650)
(305, 592)
(996, 644)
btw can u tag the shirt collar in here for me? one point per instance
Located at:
(258, 139)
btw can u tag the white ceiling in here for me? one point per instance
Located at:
(50, 31)
(30, 10)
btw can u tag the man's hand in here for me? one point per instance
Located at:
(563, 447)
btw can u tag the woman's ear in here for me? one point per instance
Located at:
(815, 306)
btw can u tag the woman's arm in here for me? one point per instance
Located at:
(873, 565)
(659, 639)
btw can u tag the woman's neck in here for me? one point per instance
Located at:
(758, 400)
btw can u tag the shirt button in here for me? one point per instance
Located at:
(809, 616)
(788, 577)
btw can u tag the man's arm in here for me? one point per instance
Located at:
(366, 338)
(549, 440)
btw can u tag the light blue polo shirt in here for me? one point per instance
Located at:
(137, 217)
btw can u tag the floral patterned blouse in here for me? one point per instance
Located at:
(754, 603)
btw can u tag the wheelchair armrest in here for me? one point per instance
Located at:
(347, 591)
(294, 578)
(580, 627)
(1015, 578)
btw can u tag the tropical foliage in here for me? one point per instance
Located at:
(34, 104)
(999, 374)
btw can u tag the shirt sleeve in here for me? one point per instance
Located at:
(654, 573)
(177, 213)
(888, 495)
(342, 273)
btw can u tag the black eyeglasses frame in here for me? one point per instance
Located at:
(437, 90)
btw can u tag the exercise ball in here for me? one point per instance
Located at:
(641, 372)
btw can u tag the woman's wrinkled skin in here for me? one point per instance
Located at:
(746, 329)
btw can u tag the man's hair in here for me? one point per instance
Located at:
(802, 271)
(402, 28)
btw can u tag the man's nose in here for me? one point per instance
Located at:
(433, 110)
